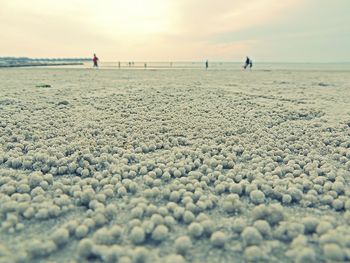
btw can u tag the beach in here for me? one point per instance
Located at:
(174, 165)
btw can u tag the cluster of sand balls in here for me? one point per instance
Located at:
(171, 176)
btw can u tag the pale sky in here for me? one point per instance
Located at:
(177, 30)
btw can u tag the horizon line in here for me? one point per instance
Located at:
(179, 61)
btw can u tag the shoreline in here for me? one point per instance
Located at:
(42, 65)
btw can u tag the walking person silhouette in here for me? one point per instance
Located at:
(95, 61)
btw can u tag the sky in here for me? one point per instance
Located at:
(177, 30)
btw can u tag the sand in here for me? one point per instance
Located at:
(174, 166)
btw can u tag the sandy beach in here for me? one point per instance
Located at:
(174, 166)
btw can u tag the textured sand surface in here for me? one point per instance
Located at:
(174, 166)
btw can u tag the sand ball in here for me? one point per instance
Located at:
(101, 198)
(220, 188)
(257, 197)
(160, 233)
(338, 204)
(86, 196)
(116, 231)
(134, 222)
(331, 237)
(137, 235)
(177, 173)
(157, 219)
(263, 227)
(218, 239)
(158, 171)
(299, 241)
(339, 187)
(137, 212)
(35, 178)
(71, 225)
(250, 187)
(85, 173)
(333, 252)
(122, 191)
(173, 259)
(23, 188)
(169, 221)
(178, 212)
(60, 236)
(347, 205)
(163, 211)
(43, 213)
(44, 185)
(37, 191)
(38, 248)
(295, 193)
(251, 236)
(140, 255)
(202, 217)
(286, 199)
(166, 176)
(8, 189)
(188, 217)
(89, 222)
(85, 248)
(326, 199)
(333, 194)
(310, 224)
(186, 200)
(133, 187)
(294, 229)
(124, 259)
(272, 214)
(323, 227)
(305, 255)
(174, 196)
(183, 244)
(195, 229)
(253, 254)
(111, 210)
(150, 210)
(100, 219)
(81, 231)
(29, 213)
(103, 236)
(208, 226)
(238, 225)
(148, 226)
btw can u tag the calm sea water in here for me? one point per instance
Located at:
(217, 66)
(224, 65)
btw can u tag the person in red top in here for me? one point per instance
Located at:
(95, 60)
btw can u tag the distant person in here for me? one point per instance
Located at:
(119, 64)
(95, 61)
(206, 65)
(145, 65)
(248, 63)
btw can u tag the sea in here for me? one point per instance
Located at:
(263, 66)
(213, 65)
